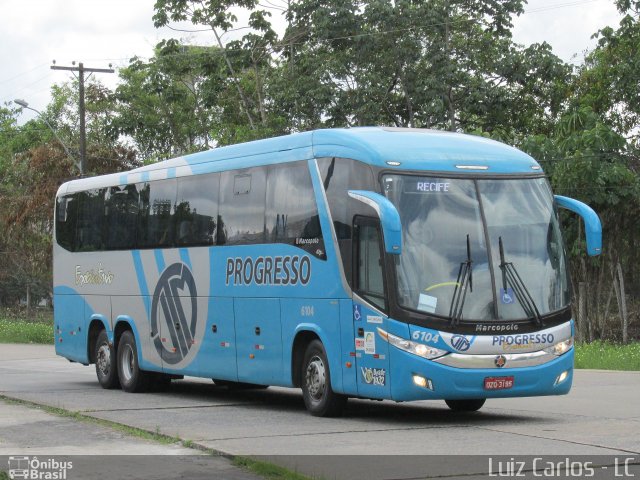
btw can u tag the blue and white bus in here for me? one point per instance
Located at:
(376, 263)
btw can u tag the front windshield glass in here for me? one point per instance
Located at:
(521, 213)
(440, 215)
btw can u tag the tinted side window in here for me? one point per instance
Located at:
(121, 215)
(156, 215)
(196, 213)
(90, 220)
(370, 277)
(291, 213)
(242, 199)
(340, 175)
(66, 216)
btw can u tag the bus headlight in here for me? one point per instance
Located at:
(419, 349)
(560, 348)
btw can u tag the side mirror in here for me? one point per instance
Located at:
(592, 225)
(389, 218)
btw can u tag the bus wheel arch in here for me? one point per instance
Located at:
(300, 344)
(95, 327)
(121, 327)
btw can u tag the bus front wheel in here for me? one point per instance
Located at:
(106, 369)
(132, 379)
(470, 405)
(319, 398)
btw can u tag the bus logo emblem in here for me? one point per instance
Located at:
(174, 310)
(460, 343)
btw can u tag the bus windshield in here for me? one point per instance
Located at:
(449, 222)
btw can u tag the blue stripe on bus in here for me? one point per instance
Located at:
(184, 256)
(159, 260)
(142, 281)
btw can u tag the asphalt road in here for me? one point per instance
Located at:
(374, 440)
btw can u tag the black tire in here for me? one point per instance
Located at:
(470, 405)
(106, 362)
(132, 379)
(319, 398)
(238, 385)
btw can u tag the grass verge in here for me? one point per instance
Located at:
(608, 356)
(20, 331)
(267, 470)
(4, 476)
(263, 469)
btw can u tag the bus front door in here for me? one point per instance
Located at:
(372, 353)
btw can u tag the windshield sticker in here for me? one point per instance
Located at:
(374, 319)
(374, 376)
(369, 343)
(507, 298)
(427, 303)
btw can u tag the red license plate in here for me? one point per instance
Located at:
(498, 383)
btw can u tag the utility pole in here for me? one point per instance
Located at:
(83, 134)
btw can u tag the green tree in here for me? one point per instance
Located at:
(247, 62)
(168, 104)
(437, 64)
(588, 159)
(33, 164)
(608, 80)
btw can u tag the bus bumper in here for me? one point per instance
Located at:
(447, 382)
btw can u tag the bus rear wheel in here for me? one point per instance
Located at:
(319, 397)
(469, 405)
(105, 356)
(132, 378)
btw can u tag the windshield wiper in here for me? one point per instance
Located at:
(510, 274)
(464, 281)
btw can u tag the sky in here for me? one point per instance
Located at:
(33, 33)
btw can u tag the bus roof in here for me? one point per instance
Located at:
(394, 148)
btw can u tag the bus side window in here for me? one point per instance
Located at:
(66, 216)
(291, 212)
(338, 176)
(90, 225)
(196, 213)
(121, 212)
(242, 199)
(368, 264)
(156, 215)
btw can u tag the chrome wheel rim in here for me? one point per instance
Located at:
(127, 363)
(315, 378)
(103, 359)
